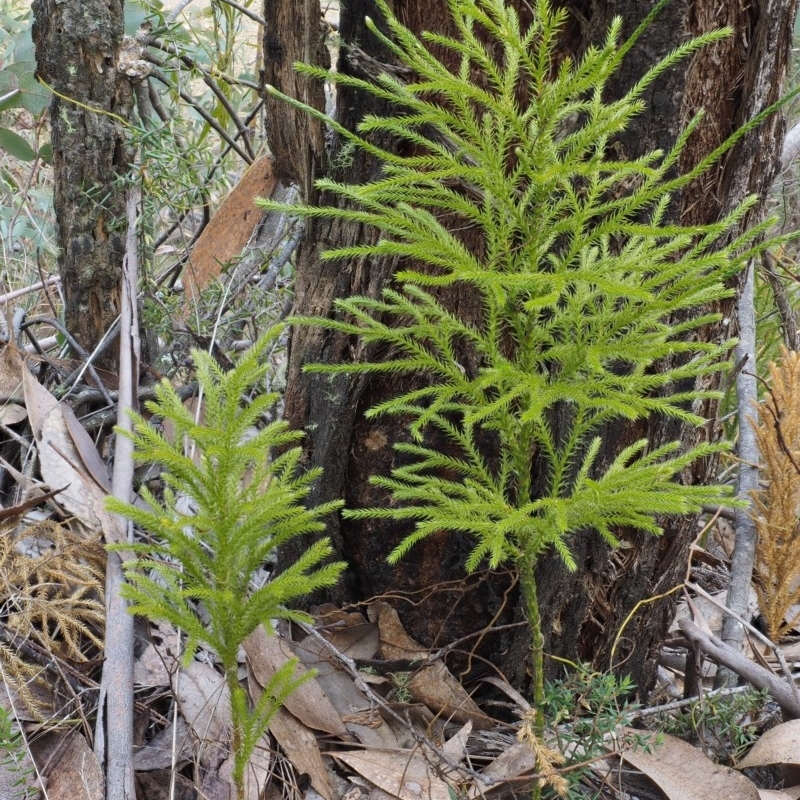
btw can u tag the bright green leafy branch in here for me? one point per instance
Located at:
(593, 300)
(244, 504)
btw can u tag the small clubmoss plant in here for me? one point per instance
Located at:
(593, 301)
(247, 504)
(19, 773)
(776, 506)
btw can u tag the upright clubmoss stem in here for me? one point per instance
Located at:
(240, 758)
(527, 579)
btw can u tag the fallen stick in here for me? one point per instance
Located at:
(753, 673)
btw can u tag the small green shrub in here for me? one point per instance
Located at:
(247, 504)
(15, 759)
(724, 724)
(27, 233)
(585, 711)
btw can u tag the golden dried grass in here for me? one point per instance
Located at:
(776, 506)
(51, 584)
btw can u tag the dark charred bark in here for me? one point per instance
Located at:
(76, 51)
(582, 612)
(294, 32)
(732, 82)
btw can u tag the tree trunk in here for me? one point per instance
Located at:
(76, 50)
(584, 612)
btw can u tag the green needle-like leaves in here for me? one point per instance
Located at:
(227, 506)
(593, 300)
(501, 179)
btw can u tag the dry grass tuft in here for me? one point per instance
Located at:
(51, 582)
(777, 505)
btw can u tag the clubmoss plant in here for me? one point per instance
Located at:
(247, 504)
(776, 506)
(16, 765)
(593, 299)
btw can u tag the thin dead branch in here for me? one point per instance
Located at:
(744, 552)
(760, 677)
(114, 738)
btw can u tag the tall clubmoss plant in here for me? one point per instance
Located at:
(592, 300)
(247, 504)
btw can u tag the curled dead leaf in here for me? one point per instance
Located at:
(779, 746)
(682, 772)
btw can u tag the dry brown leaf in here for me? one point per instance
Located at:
(301, 748)
(358, 641)
(62, 465)
(437, 688)
(205, 704)
(513, 762)
(153, 665)
(682, 772)
(523, 706)
(36, 499)
(158, 752)
(230, 228)
(395, 643)
(779, 746)
(11, 371)
(266, 655)
(156, 786)
(258, 770)
(73, 773)
(216, 782)
(86, 449)
(435, 685)
(455, 748)
(405, 775)
(349, 632)
(360, 715)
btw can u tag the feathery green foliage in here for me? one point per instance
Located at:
(592, 298)
(15, 759)
(244, 505)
